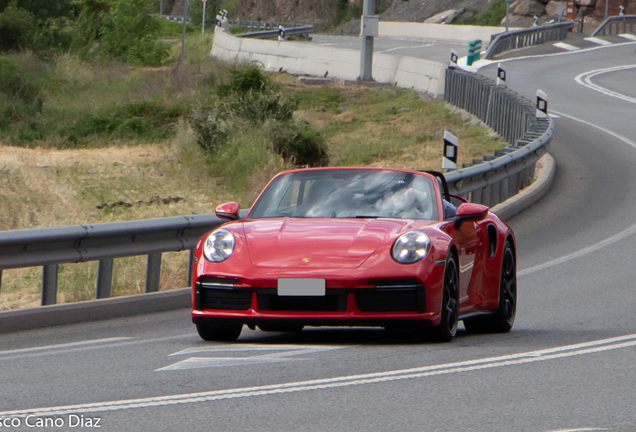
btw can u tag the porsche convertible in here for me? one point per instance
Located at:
(356, 247)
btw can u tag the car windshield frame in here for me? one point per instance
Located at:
(348, 193)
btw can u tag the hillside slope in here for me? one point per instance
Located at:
(323, 13)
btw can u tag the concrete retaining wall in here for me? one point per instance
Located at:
(308, 59)
(445, 32)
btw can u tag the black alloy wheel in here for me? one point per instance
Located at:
(219, 334)
(447, 329)
(504, 317)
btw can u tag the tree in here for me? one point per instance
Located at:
(121, 29)
(17, 28)
(195, 11)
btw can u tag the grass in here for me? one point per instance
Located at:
(106, 177)
(89, 104)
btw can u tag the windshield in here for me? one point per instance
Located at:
(347, 193)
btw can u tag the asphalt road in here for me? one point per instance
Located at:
(568, 364)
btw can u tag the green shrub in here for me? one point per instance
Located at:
(243, 79)
(127, 30)
(300, 143)
(210, 130)
(195, 12)
(17, 28)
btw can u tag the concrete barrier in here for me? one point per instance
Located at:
(445, 32)
(307, 59)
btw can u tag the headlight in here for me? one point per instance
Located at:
(219, 245)
(411, 247)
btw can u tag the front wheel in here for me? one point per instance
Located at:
(447, 328)
(219, 333)
(504, 317)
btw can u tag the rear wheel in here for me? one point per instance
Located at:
(504, 317)
(447, 328)
(219, 333)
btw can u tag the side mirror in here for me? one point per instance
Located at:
(470, 212)
(228, 211)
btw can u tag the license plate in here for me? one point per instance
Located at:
(301, 287)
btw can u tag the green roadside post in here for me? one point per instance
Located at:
(474, 52)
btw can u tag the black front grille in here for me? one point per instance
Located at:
(327, 303)
(225, 299)
(385, 301)
(398, 295)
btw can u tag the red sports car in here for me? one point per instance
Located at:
(356, 247)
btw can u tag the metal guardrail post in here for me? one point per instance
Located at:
(153, 272)
(49, 284)
(190, 264)
(104, 278)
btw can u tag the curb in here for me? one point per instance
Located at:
(533, 193)
(94, 310)
(140, 304)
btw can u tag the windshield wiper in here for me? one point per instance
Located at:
(366, 217)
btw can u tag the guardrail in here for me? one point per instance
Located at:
(258, 26)
(616, 25)
(48, 247)
(304, 31)
(507, 41)
(496, 178)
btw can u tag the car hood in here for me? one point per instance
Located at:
(318, 243)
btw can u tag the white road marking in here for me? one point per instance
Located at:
(63, 346)
(560, 352)
(280, 354)
(600, 245)
(628, 36)
(566, 47)
(585, 79)
(579, 430)
(113, 342)
(403, 48)
(598, 41)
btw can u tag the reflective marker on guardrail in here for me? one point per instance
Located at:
(454, 58)
(542, 104)
(501, 75)
(449, 160)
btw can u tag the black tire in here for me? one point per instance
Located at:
(281, 327)
(447, 329)
(221, 333)
(504, 317)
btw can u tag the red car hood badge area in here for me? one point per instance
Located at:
(317, 243)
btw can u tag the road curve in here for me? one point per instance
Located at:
(567, 364)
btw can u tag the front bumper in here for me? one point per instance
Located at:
(216, 302)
